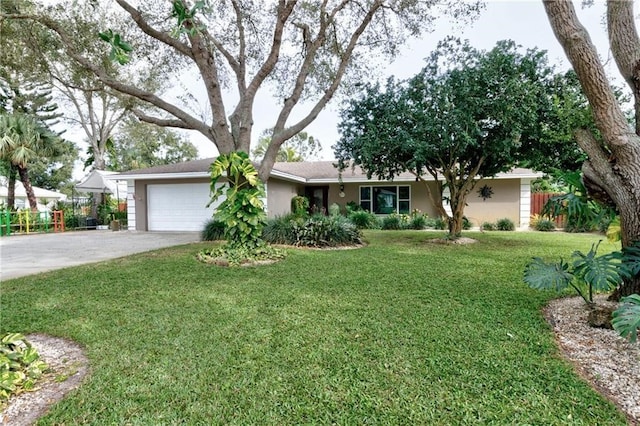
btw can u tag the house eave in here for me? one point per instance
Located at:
(160, 176)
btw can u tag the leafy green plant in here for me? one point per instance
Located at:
(213, 231)
(334, 209)
(393, 221)
(279, 230)
(466, 223)
(505, 224)
(614, 230)
(626, 319)
(316, 231)
(440, 223)
(588, 273)
(242, 210)
(582, 212)
(488, 226)
(300, 206)
(20, 366)
(545, 225)
(363, 219)
(418, 221)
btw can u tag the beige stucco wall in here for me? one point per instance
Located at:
(279, 195)
(504, 202)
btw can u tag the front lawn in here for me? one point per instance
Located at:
(399, 332)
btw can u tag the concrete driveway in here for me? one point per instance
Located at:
(22, 255)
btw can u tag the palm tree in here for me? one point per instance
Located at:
(23, 140)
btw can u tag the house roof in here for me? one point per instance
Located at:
(22, 193)
(303, 172)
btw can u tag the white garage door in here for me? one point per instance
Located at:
(178, 207)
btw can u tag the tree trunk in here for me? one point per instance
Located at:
(26, 182)
(614, 168)
(456, 221)
(11, 188)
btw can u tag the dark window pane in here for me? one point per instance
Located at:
(366, 205)
(404, 207)
(384, 199)
(365, 193)
(403, 192)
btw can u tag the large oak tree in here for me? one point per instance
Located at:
(612, 171)
(303, 50)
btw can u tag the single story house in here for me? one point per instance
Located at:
(44, 197)
(174, 197)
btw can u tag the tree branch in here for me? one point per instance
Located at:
(159, 121)
(152, 32)
(625, 46)
(583, 56)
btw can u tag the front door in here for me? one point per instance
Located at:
(318, 197)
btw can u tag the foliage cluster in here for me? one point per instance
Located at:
(589, 273)
(213, 231)
(542, 223)
(20, 366)
(583, 213)
(315, 231)
(504, 224)
(242, 208)
(364, 219)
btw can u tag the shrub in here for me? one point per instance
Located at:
(316, 231)
(363, 219)
(352, 206)
(466, 223)
(545, 225)
(213, 231)
(20, 366)
(334, 209)
(392, 222)
(418, 221)
(325, 231)
(440, 223)
(488, 226)
(300, 206)
(279, 230)
(505, 224)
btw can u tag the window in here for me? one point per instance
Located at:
(386, 199)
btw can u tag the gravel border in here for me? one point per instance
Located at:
(68, 366)
(608, 362)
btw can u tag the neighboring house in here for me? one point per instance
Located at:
(44, 197)
(173, 197)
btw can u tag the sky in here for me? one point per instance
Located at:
(523, 21)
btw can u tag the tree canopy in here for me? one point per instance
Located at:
(308, 50)
(464, 116)
(137, 145)
(301, 147)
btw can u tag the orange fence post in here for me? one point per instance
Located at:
(58, 221)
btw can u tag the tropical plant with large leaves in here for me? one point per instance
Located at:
(588, 273)
(626, 319)
(582, 212)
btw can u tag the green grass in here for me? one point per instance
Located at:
(399, 332)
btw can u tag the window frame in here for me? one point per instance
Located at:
(398, 200)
